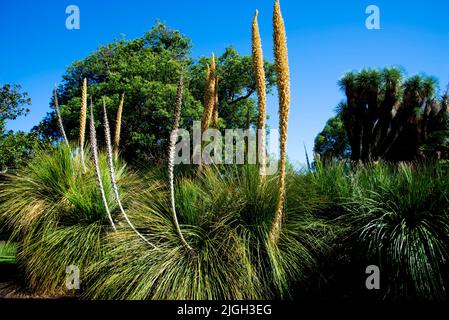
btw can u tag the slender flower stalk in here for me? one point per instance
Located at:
(58, 115)
(258, 65)
(83, 115)
(283, 84)
(118, 125)
(215, 117)
(209, 97)
(171, 157)
(198, 149)
(93, 141)
(248, 137)
(206, 87)
(112, 173)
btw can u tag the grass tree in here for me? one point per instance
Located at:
(388, 117)
(54, 210)
(399, 220)
(93, 142)
(110, 161)
(283, 84)
(171, 157)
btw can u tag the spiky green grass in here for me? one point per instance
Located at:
(399, 217)
(8, 253)
(286, 268)
(225, 216)
(395, 216)
(54, 210)
(215, 269)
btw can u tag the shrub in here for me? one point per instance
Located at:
(225, 216)
(399, 220)
(54, 210)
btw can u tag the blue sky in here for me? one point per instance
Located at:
(325, 39)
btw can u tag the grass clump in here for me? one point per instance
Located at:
(399, 217)
(227, 225)
(55, 212)
(8, 253)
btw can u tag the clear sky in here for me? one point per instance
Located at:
(325, 39)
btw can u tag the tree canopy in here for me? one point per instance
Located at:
(147, 70)
(15, 148)
(13, 103)
(332, 141)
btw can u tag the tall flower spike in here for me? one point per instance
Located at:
(83, 118)
(118, 124)
(209, 97)
(258, 65)
(247, 142)
(171, 157)
(283, 84)
(107, 133)
(216, 104)
(198, 149)
(58, 115)
(93, 141)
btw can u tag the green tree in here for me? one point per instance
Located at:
(236, 86)
(147, 70)
(15, 148)
(13, 103)
(388, 117)
(332, 141)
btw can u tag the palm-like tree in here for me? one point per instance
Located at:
(389, 118)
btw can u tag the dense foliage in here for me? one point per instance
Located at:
(147, 71)
(15, 148)
(53, 206)
(339, 220)
(224, 231)
(13, 103)
(386, 116)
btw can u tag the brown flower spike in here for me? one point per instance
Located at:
(209, 97)
(258, 65)
(118, 125)
(83, 115)
(283, 84)
(215, 116)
